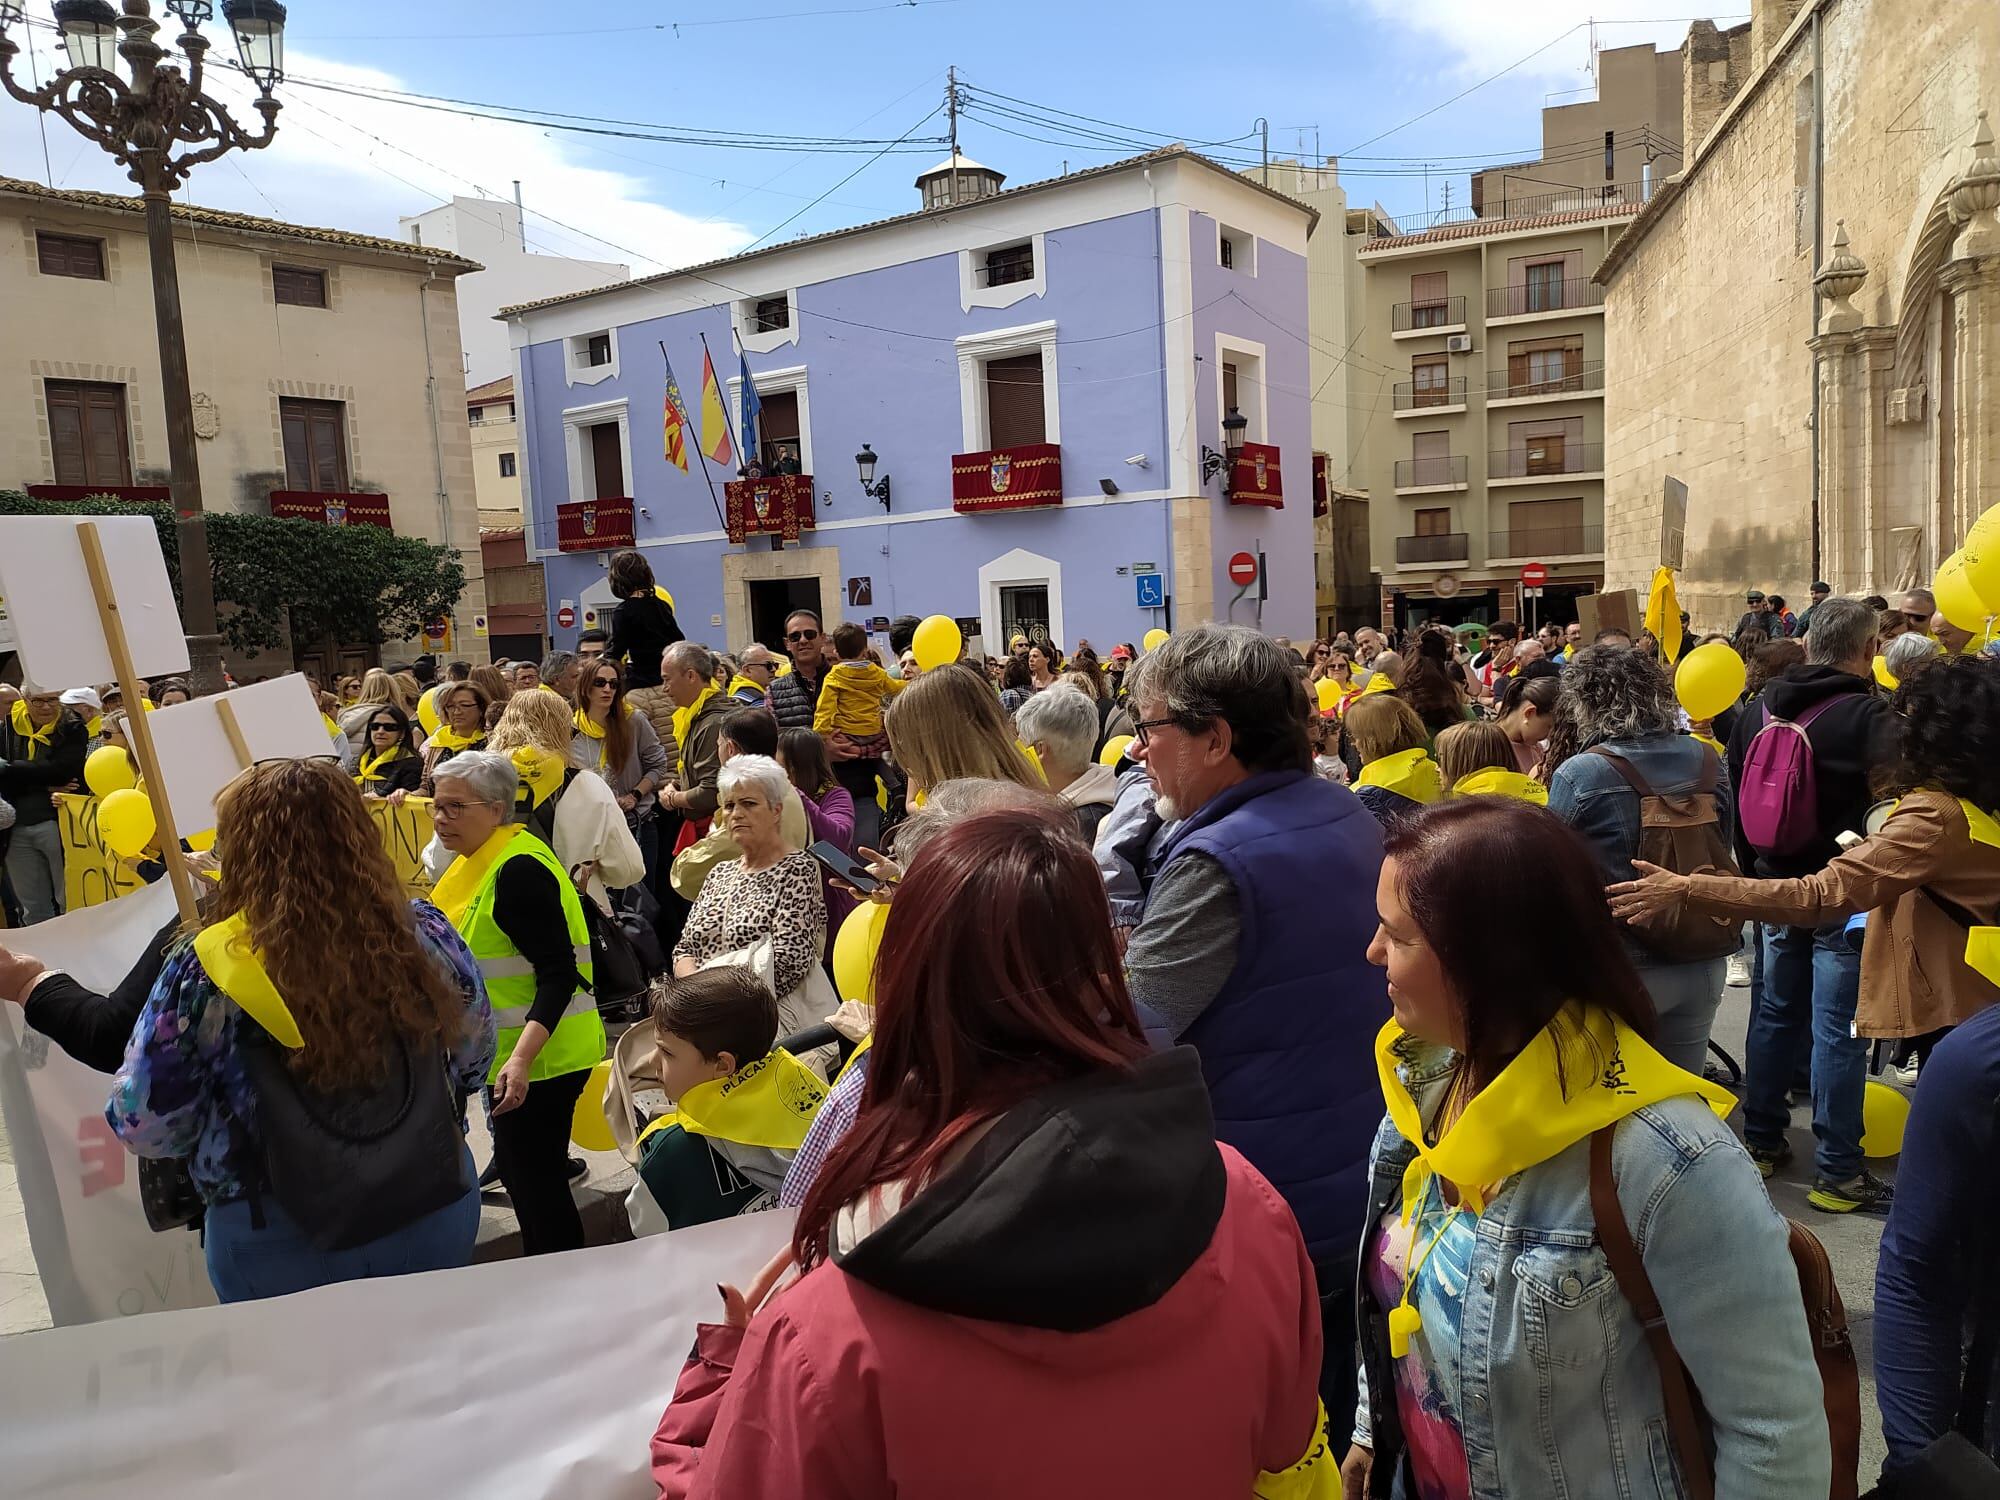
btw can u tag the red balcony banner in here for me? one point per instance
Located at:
(778, 505)
(1257, 480)
(136, 494)
(594, 525)
(1006, 478)
(333, 508)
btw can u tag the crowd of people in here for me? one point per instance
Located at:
(1270, 1066)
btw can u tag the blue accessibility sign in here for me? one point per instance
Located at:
(1152, 590)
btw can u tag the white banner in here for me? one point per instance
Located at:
(513, 1381)
(79, 1185)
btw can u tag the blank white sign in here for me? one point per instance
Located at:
(54, 613)
(279, 719)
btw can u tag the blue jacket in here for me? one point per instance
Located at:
(1287, 1046)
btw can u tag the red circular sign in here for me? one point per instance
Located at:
(1534, 575)
(1243, 569)
(565, 617)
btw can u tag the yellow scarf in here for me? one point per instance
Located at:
(97, 727)
(740, 681)
(770, 1103)
(1497, 782)
(331, 728)
(1521, 1118)
(455, 889)
(1883, 675)
(1409, 773)
(38, 739)
(684, 720)
(540, 771)
(237, 969)
(371, 766)
(585, 725)
(1378, 682)
(447, 738)
(1982, 952)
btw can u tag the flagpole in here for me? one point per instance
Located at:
(743, 459)
(687, 426)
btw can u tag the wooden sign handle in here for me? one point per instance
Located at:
(135, 719)
(226, 711)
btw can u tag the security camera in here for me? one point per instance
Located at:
(1138, 461)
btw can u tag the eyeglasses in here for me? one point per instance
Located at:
(802, 635)
(450, 812)
(760, 666)
(1142, 732)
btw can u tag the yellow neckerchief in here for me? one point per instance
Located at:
(1033, 760)
(860, 1048)
(455, 889)
(585, 725)
(1378, 682)
(740, 681)
(450, 739)
(1521, 1118)
(1496, 781)
(770, 1103)
(683, 720)
(1713, 744)
(331, 727)
(541, 772)
(237, 969)
(96, 727)
(1883, 675)
(38, 739)
(371, 766)
(1982, 952)
(1409, 773)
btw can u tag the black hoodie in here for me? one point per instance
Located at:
(1085, 1203)
(1849, 739)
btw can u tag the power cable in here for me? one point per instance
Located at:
(676, 27)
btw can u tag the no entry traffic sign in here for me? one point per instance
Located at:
(1534, 575)
(1243, 569)
(565, 617)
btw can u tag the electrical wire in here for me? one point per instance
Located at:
(675, 27)
(843, 181)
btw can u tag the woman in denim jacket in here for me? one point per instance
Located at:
(1499, 1356)
(1622, 701)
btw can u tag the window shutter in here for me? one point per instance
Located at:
(66, 435)
(1014, 401)
(87, 433)
(1430, 286)
(298, 287)
(70, 255)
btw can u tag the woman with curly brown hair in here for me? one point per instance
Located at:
(317, 990)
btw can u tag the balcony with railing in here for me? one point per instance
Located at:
(1419, 395)
(1525, 385)
(1436, 315)
(1443, 472)
(1550, 460)
(1540, 543)
(1433, 551)
(1535, 297)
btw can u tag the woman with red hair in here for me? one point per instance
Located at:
(1029, 1268)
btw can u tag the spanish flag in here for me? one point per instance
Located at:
(676, 420)
(714, 418)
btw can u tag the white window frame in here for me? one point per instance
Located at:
(750, 340)
(770, 383)
(576, 355)
(1226, 346)
(575, 454)
(1245, 244)
(1011, 570)
(972, 293)
(974, 350)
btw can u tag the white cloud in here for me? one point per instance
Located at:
(1480, 37)
(345, 162)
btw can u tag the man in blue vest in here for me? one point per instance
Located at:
(1253, 946)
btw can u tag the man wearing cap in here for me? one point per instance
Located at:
(87, 706)
(1756, 617)
(1115, 670)
(41, 749)
(1819, 592)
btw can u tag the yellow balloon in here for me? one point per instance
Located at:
(1709, 680)
(1959, 599)
(854, 948)
(427, 713)
(1114, 749)
(589, 1126)
(1155, 638)
(201, 843)
(937, 642)
(109, 770)
(125, 822)
(1983, 536)
(1884, 1115)
(1328, 693)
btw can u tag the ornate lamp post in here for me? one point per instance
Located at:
(141, 122)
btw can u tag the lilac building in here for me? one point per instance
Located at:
(1041, 374)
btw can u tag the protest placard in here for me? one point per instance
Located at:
(199, 754)
(52, 606)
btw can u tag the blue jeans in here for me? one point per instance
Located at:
(245, 1263)
(1812, 979)
(1685, 997)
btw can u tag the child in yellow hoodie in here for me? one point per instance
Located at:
(851, 698)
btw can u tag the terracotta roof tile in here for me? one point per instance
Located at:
(216, 218)
(493, 390)
(1472, 229)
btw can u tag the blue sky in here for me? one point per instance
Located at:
(1335, 72)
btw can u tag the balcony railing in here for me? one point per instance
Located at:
(1544, 541)
(1542, 296)
(1500, 386)
(1451, 547)
(1531, 461)
(1415, 473)
(1439, 312)
(1410, 396)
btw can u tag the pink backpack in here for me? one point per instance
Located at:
(1777, 806)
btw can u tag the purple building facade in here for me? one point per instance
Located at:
(1042, 375)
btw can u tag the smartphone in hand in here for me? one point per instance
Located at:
(843, 866)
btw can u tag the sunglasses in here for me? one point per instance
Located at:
(802, 635)
(386, 726)
(606, 682)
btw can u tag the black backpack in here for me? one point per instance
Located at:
(353, 1165)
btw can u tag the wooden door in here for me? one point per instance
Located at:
(87, 433)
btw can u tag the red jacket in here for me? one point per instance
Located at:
(1160, 1340)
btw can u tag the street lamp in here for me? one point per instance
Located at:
(141, 122)
(1213, 463)
(865, 462)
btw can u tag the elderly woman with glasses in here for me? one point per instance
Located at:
(390, 767)
(461, 710)
(773, 891)
(521, 916)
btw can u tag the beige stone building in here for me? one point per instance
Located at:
(491, 418)
(325, 368)
(1806, 320)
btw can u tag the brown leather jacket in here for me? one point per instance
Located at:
(1913, 973)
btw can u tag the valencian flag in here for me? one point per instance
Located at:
(714, 420)
(676, 419)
